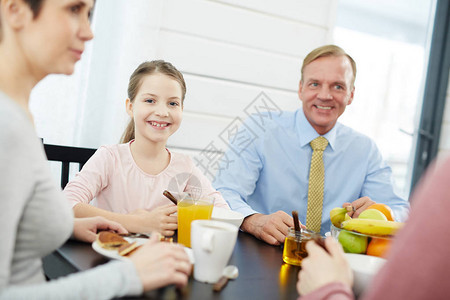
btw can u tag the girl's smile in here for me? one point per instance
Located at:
(159, 125)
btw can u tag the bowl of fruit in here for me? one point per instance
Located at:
(370, 233)
(365, 239)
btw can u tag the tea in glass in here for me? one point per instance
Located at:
(294, 247)
(189, 210)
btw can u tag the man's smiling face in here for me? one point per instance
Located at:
(325, 90)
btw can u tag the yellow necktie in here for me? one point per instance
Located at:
(316, 181)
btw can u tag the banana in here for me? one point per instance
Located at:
(337, 216)
(372, 227)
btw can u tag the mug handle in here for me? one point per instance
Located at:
(208, 241)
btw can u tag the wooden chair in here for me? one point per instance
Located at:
(67, 155)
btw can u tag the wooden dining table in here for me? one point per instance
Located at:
(262, 273)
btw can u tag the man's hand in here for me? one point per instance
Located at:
(359, 206)
(85, 229)
(271, 228)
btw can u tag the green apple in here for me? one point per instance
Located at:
(352, 243)
(372, 214)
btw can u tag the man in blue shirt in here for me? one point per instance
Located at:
(267, 179)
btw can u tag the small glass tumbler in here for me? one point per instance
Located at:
(294, 246)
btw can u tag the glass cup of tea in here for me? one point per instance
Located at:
(294, 246)
(190, 209)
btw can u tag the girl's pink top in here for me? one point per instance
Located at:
(119, 185)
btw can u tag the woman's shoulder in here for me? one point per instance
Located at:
(16, 125)
(18, 135)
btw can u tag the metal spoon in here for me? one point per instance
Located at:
(229, 272)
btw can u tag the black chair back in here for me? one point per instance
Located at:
(67, 155)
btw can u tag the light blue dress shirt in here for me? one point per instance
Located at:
(270, 171)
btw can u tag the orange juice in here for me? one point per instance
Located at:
(189, 210)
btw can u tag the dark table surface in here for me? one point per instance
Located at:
(262, 273)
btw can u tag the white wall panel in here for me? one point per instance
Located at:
(193, 55)
(317, 12)
(225, 98)
(197, 131)
(235, 25)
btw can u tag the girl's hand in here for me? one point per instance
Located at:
(160, 219)
(159, 264)
(320, 268)
(85, 229)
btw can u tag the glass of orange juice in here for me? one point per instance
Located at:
(190, 209)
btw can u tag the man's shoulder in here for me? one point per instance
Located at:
(351, 135)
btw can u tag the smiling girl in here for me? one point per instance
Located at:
(128, 179)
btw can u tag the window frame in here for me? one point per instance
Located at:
(436, 84)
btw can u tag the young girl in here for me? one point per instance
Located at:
(128, 180)
(37, 38)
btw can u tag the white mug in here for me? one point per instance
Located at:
(212, 243)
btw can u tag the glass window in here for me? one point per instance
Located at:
(389, 41)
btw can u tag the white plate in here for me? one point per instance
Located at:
(227, 216)
(113, 254)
